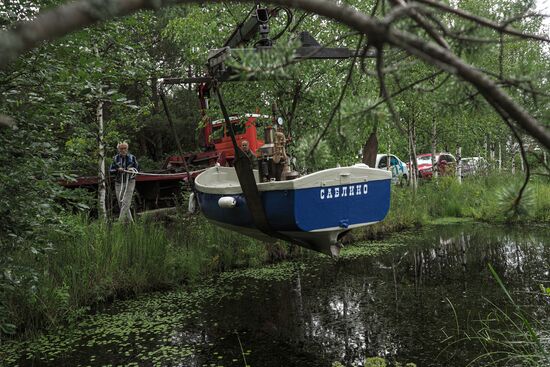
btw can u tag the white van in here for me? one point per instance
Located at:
(400, 172)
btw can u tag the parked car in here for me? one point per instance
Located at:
(445, 164)
(400, 172)
(474, 166)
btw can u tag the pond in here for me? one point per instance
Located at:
(411, 298)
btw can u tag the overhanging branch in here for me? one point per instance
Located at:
(74, 16)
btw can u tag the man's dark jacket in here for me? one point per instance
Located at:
(126, 162)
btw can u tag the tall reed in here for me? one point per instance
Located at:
(483, 198)
(93, 262)
(508, 336)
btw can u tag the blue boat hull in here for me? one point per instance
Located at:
(314, 210)
(310, 209)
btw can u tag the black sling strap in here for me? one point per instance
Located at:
(243, 168)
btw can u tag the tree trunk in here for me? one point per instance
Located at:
(412, 155)
(514, 160)
(295, 100)
(434, 146)
(102, 189)
(370, 149)
(154, 95)
(486, 147)
(459, 164)
(499, 157)
(409, 151)
(522, 163)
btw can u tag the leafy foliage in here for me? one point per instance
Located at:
(53, 92)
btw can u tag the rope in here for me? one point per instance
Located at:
(135, 173)
(123, 187)
(132, 171)
(126, 176)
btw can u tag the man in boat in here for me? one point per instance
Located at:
(245, 146)
(124, 166)
(279, 156)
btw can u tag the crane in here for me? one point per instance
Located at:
(256, 24)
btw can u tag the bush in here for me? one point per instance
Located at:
(483, 198)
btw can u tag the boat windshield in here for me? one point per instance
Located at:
(217, 133)
(239, 128)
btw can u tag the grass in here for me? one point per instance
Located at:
(507, 335)
(144, 329)
(480, 198)
(90, 263)
(95, 262)
(204, 249)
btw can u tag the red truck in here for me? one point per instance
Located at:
(162, 188)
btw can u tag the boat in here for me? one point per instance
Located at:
(315, 210)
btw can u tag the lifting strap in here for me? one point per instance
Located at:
(243, 168)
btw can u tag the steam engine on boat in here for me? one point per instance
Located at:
(273, 162)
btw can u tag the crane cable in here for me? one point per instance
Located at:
(289, 19)
(171, 122)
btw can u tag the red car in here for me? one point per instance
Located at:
(445, 164)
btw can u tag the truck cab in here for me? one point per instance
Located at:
(245, 128)
(217, 145)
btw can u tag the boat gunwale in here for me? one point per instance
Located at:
(355, 173)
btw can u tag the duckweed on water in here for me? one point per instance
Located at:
(278, 272)
(377, 362)
(150, 328)
(287, 270)
(366, 249)
(141, 329)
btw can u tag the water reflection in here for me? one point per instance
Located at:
(401, 306)
(408, 305)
